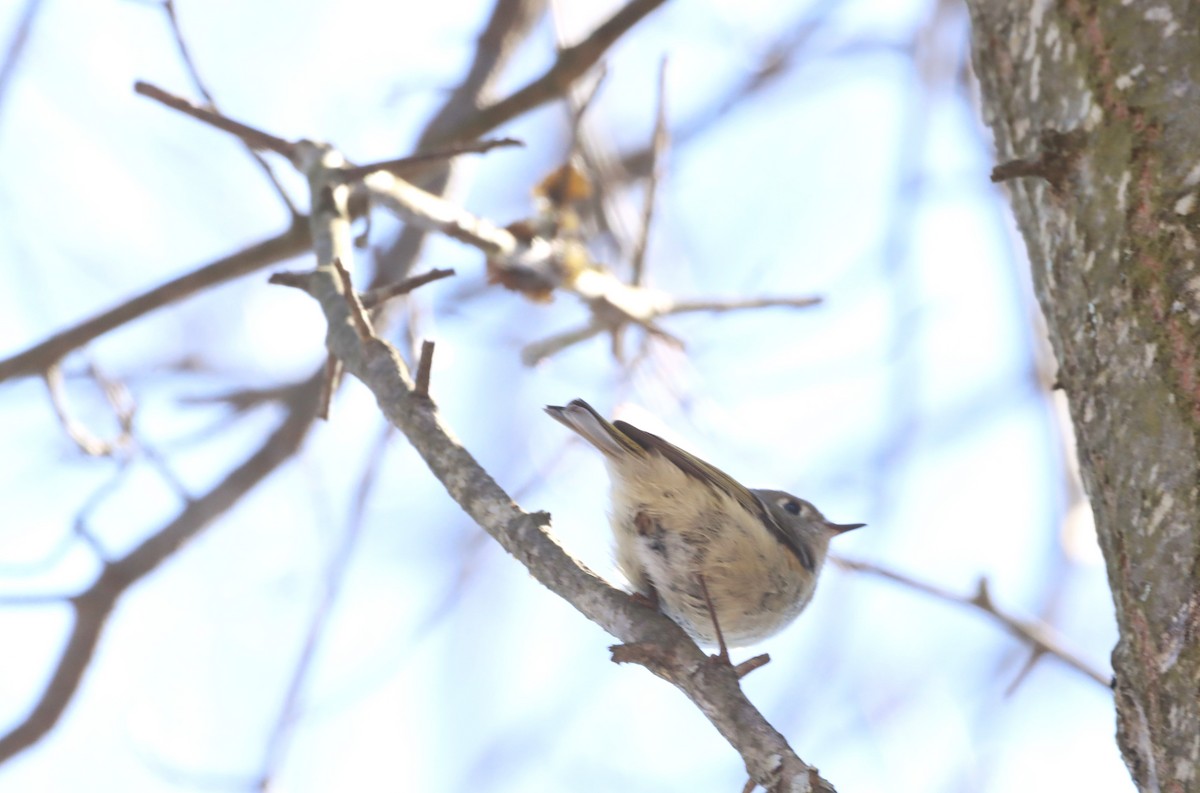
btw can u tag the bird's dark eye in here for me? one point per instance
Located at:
(792, 506)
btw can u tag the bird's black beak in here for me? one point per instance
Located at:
(842, 528)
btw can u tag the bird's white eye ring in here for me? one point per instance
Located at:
(790, 505)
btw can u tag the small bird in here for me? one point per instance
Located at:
(729, 564)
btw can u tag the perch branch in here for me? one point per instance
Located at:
(668, 652)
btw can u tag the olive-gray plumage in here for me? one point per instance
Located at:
(683, 526)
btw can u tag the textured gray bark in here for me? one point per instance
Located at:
(1099, 102)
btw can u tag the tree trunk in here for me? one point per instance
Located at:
(1095, 108)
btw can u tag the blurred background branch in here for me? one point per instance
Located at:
(332, 608)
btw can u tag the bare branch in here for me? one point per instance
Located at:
(533, 259)
(384, 293)
(537, 258)
(95, 604)
(185, 53)
(665, 305)
(777, 61)
(538, 351)
(433, 213)
(403, 165)
(508, 26)
(1039, 636)
(189, 64)
(721, 305)
(572, 63)
(255, 138)
(668, 652)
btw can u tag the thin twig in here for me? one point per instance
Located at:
(357, 315)
(777, 62)
(424, 369)
(253, 137)
(585, 100)
(185, 54)
(1030, 663)
(87, 441)
(1037, 635)
(572, 62)
(612, 300)
(381, 295)
(582, 151)
(538, 351)
(80, 532)
(335, 576)
(602, 291)
(94, 606)
(750, 664)
(720, 305)
(434, 213)
(403, 165)
(658, 149)
(508, 25)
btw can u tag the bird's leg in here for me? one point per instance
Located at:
(723, 655)
(644, 524)
(647, 599)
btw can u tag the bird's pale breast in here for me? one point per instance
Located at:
(672, 531)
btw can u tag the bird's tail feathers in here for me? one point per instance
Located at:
(584, 420)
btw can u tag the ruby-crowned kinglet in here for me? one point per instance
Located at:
(690, 537)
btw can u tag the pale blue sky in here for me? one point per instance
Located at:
(909, 400)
